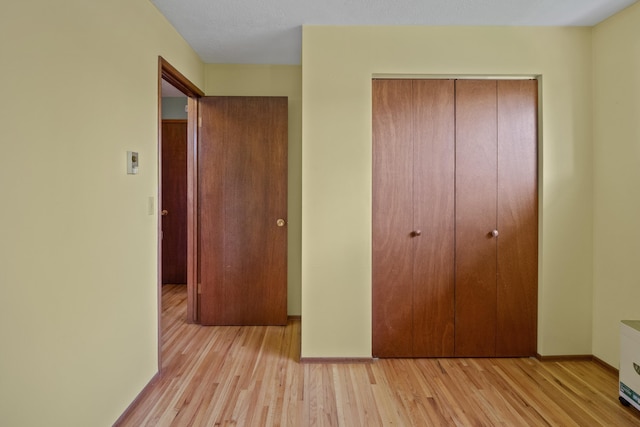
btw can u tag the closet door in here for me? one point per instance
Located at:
(413, 218)
(454, 218)
(434, 217)
(517, 293)
(476, 218)
(392, 257)
(496, 218)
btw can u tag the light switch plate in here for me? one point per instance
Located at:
(132, 162)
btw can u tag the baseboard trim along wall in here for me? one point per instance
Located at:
(336, 360)
(137, 400)
(606, 365)
(577, 357)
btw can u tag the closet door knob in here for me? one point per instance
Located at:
(495, 233)
(417, 233)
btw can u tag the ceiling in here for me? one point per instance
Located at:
(270, 31)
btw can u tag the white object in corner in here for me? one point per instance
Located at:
(630, 363)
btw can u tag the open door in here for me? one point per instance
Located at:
(243, 210)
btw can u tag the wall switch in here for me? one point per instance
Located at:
(151, 205)
(132, 162)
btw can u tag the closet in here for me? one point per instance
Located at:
(454, 218)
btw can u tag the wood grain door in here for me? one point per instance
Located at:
(454, 218)
(174, 201)
(496, 218)
(413, 218)
(243, 210)
(392, 258)
(434, 217)
(517, 288)
(476, 217)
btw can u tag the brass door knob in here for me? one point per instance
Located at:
(495, 233)
(164, 212)
(281, 222)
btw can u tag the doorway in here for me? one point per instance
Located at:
(171, 81)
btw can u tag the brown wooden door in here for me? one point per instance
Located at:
(243, 194)
(454, 218)
(392, 261)
(434, 217)
(496, 189)
(517, 289)
(413, 218)
(476, 217)
(174, 201)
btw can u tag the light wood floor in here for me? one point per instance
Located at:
(251, 376)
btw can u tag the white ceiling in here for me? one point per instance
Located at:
(270, 31)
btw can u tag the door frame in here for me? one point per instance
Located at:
(171, 75)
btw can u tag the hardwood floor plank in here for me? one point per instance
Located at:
(523, 383)
(252, 376)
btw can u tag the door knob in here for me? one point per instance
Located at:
(280, 222)
(164, 212)
(417, 233)
(495, 233)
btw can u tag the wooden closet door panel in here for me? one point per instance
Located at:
(434, 216)
(517, 218)
(392, 218)
(476, 176)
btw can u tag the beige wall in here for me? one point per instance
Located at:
(273, 80)
(338, 63)
(616, 65)
(78, 311)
